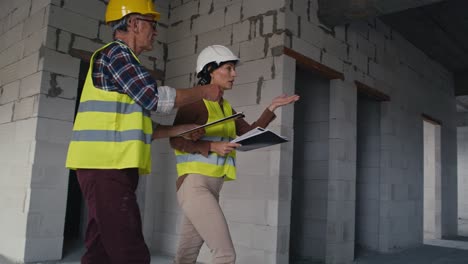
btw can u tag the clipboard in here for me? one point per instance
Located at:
(217, 122)
(258, 138)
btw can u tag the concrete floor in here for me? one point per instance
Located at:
(433, 252)
(454, 251)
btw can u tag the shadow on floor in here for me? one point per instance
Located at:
(439, 252)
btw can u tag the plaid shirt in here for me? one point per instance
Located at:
(115, 69)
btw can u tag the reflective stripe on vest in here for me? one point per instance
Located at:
(214, 165)
(111, 131)
(110, 107)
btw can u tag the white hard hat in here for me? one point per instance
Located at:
(214, 53)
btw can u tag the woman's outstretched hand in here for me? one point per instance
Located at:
(282, 100)
(223, 148)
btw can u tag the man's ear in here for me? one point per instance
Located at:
(132, 24)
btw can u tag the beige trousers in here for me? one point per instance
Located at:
(203, 221)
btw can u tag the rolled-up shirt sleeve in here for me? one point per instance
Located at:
(166, 101)
(116, 69)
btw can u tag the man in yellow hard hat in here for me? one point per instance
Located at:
(111, 140)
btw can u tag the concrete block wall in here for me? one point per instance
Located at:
(311, 166)
(462, 139)
(250, 29)
(374, 54)
(432, 181)
(31, 215)
(39, 83)
(341, 173)
(367, 174)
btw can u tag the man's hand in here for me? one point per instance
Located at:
(223, 148)
(195, 135)
(211, 92)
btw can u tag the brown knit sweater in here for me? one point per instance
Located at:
(196, 113)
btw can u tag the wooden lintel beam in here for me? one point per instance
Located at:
(371, 92)
(313, 65)
(431, 120)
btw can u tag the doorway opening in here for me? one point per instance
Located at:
(75, 218)
(462, 167)
(432, 181)
(368, 150)
(310, 169)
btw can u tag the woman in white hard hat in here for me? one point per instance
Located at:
(204, 165)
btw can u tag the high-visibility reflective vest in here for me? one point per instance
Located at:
(111, 131)
(214, 165)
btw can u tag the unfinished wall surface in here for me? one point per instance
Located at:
(31, 216)
(257, 204)
(432, 181)
(462, 144)
(310, 168)
(38, 83)
(367, 174)
(373, 54)
(39, 70)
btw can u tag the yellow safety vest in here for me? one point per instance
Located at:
(214, 165)
(111, 131)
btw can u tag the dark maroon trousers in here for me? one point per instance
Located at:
(114, 234)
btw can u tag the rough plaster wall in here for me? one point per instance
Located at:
(367, 175)
(372, 53)
(257, 204)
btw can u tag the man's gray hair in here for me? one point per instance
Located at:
(120, 25)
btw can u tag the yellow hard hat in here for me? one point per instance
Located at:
(116, 9)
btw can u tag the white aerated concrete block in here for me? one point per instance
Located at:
(89, 8)
(31, 85)
(25, 108)
(41, 200)
(36, 22)
(253, 50)
(181, 49)
(28, 65)
(41, 249)
(11, 37)
(14, 248)
(253, 8)
(241, 31)
(56, 62)
(11, 54)
(14, 199)
(65, 19)
(184, 11)
(216, 37)
(19, 13)
(182, 66)
(233, 14)
(9, 93)
(209, 22)
(83, 44)
(35, 41)
(56, 108)
(45, 224)
(252, 71)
